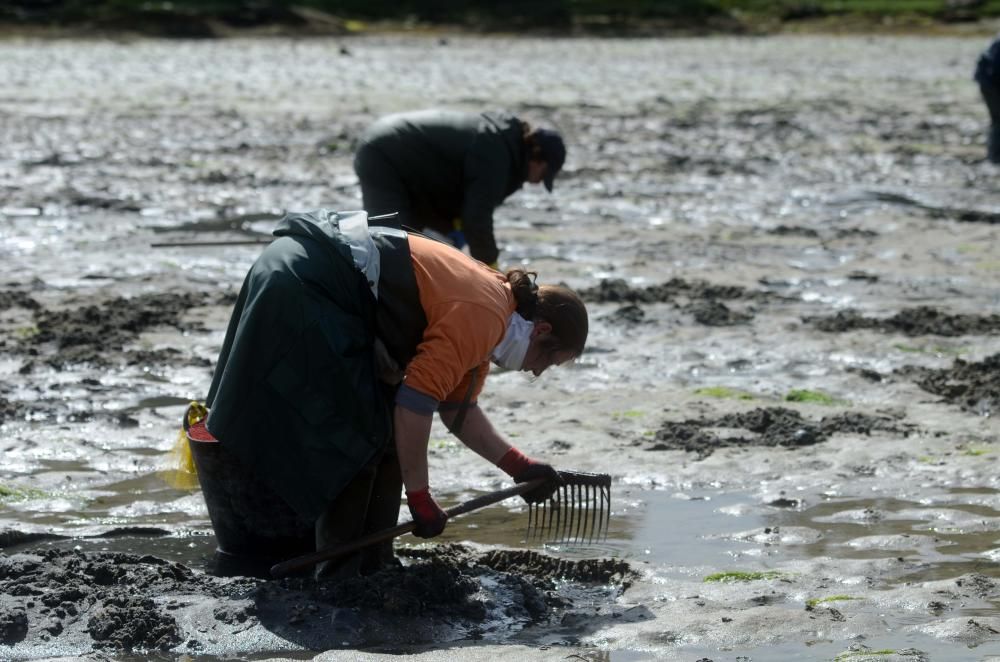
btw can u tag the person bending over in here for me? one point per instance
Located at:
(343, 343)
(445, 172)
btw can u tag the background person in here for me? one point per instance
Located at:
(345, 338)
(446, 171)
(988, 76)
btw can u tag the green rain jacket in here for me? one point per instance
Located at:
(295, 394)
(453, 165)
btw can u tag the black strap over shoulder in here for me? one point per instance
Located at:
(399, 318)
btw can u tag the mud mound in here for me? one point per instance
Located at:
(439, 586)
(616, 290)
(17, 299)
(715, 313)
(9, 410)
(699, 299)
(975, 387)
(87, 334)
(525, 562)
(126, 623)
(80, 602)
(919, 321)
(107, 599)
(771, 426)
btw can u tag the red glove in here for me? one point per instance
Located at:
(427, 514)
(522, 468)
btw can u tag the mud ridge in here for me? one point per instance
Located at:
(616, 290)
(769, 426)
(130, 603)
(973, 386)
(918, 321)
(94, 334)
(700, 299)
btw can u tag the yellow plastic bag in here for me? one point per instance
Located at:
(183, 475)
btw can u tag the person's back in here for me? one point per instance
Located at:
(446, 171)
(427, 148)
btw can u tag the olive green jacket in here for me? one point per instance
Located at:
(295, 393)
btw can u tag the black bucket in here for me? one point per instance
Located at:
(254, 527)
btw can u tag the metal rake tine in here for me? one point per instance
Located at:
(539, 519)
(606, 498)
(566, 510)
(587, 512)
(554, 515)
(531, 513)
(579, 514)
(599, 497)
(556, 507)
(592, 505)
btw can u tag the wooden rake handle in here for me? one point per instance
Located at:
(290, 566)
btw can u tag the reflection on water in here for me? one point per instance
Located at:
(685, 535)
(951, 538)
(674, 531)
(648, 526)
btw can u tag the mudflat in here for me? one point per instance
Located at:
(788, 248)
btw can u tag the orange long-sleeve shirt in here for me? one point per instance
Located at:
(467, 306)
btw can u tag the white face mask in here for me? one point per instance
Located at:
(512, 349)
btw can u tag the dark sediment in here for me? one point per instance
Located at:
(616, 290)
(973, 386)
(918, 321)
(128, 603)
(700, 299)
(770, 426)
(94, 334)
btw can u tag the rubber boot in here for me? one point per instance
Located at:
(342, 522)
(383, 513)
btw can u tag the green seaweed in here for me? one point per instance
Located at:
(442, 443)
(724, 392)
(27, 332)
(742, 576)
(932, 350)
(816, 397)
(975, 452)
(8, 493)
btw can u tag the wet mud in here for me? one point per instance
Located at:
(129, 603)
(768, 426)
(789, 251)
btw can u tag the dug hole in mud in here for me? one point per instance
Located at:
(788, 247)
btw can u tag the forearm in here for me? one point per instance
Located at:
(478, 433)
(477, 226)
(412, 430)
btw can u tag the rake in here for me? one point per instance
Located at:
(578, 512)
